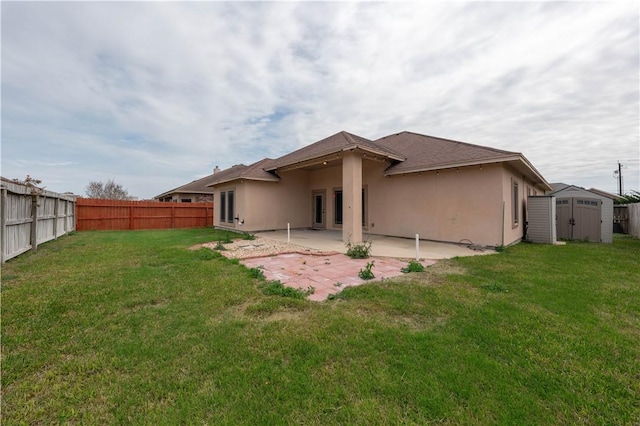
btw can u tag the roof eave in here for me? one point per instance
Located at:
(504, 159)
(443, 166)
(274, 179)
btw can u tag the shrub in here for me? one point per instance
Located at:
(413, 266)
(366, 273)
(359, 250)
(276, 288)
(256, 273)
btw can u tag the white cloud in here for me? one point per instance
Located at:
(153, 94)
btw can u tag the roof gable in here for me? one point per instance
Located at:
(341, 141)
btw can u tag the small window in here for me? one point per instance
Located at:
(515, 201)
(223, 207)
(185, 200)
(230, 206)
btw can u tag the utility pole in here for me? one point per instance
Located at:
(620, 179)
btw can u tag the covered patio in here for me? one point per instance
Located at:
(381, 246)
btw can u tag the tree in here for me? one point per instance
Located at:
(31, 183)
(108, 190)
(629, 198)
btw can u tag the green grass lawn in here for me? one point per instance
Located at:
(134, 328)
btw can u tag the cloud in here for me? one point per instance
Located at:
(153, 94)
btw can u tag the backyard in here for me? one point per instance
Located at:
(133, 327)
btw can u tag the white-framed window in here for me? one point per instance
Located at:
(515, 202)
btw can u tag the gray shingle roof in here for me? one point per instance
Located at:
(336, 143)
(255, 171)
(409, 153)
(427, 152)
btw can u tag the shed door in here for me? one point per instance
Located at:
(564, 215)
(586, 214)
(578, 219)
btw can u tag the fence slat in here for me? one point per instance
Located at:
(29, 219)
(97, 214)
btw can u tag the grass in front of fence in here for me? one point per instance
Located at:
(132, 327)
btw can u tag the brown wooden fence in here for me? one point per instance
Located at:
(94, 214)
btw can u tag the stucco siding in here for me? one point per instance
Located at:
(514, 232)
(449, 205)
(272, 205)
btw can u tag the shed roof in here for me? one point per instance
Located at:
(564, 190)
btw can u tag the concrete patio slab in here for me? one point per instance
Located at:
(382, 246)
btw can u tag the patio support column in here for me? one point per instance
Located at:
(352, 197)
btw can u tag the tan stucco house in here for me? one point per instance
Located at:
(400, 185)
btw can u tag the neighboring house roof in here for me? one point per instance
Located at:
(558, 186)
(198, 186)
(255, 171)
(334, 144)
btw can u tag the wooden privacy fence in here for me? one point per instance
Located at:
(95, 214)
(30, 216)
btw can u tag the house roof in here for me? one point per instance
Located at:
(198, 186)
(255, 171)
(424, 153)
(408, 152)
(427, 152)
(341, 141)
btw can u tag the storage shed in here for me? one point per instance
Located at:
(541, 219)
(582, 214)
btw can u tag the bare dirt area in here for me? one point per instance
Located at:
(260, 247)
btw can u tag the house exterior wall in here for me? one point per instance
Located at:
(453, 205)
(263, 206)
(447, 205)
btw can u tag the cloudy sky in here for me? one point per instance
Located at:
(156, 94)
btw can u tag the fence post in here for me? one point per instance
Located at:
(3, 225)
(56, 206)
(173, 217)
(131, 216)
(34, 222)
